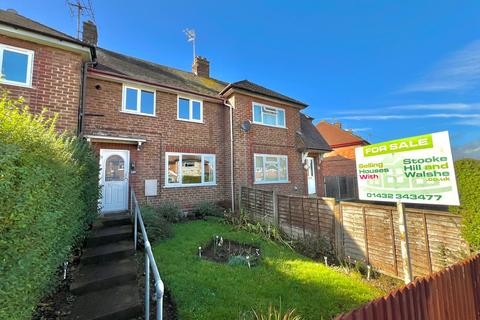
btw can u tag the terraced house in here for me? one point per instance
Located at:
(169, 135)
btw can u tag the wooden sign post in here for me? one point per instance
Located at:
(402, 226)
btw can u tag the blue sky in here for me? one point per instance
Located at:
(387, 69)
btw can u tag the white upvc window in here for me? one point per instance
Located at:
(138, 100)
(269, 168)
(16, 66)
(189, 169)
(268, 115)
(189, 109)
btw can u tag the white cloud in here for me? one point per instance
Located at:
(468, 150)
(460, 71)
(475, 122)
(411, 116)
(453, 106)
(361, 129)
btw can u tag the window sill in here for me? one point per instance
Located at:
(16, 84)
(269, 125)
(190, 185)
(139, 114)
(272, 182)
(191, 121)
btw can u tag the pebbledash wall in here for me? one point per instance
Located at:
(56, 82)
(164, 133)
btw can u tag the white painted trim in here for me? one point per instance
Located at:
(114, 138)
(264, 155)
(271, 107)
(46, 40)
(190, 109)
(139, 89)
(180, 173)
(30, 54)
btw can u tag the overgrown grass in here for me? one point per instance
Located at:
(207, 290)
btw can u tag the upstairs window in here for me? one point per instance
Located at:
(189, 110)
(270, 168)
(138, 100)
(268, 116)
(16, 66)
(189, 169)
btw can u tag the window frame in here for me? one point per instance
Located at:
(180, 173)
(30, 54)
(190, 109)
(264, 155)
(139, 90)
(262, 112)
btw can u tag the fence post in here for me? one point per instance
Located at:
(338, 222)
(402, 226)
(240, 199)
(276, 220)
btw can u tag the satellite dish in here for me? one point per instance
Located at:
(246, 125)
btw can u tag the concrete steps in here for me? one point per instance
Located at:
(116, 303)
(96, 277)
(105, 284)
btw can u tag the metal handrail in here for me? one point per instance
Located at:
(149, 261)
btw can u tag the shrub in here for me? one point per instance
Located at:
(204, 209)
(157, 226)
(169, 211)
(48, 196)
(468, 179)
(316, 247)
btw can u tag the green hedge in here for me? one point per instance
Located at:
(468, 179)
(48, 197)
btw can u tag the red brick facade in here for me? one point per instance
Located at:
(56, 85)
(56, 82)
(266, 140)
(164, 133)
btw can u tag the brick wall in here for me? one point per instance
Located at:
(340, 162)
(164, 133)
(55, 82)
(267, 140)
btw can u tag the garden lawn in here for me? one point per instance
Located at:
(204, 289)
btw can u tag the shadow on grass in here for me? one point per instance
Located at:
(208, 290)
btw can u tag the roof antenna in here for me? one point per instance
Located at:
(191, 36)
(82, 8)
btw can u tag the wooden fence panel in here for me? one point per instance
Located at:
(364, 232)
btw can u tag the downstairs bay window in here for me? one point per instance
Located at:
(189, 169)
(270, 168)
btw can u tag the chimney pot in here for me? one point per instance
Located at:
(338, 124)
(89, 34)
(201, 67)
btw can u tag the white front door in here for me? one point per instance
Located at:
(312, 189)
(114, 179)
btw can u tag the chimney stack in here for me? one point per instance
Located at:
(89, 34)
(201, 67)
(338, 124)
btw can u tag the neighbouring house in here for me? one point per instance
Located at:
(338, 168)
(167, 134)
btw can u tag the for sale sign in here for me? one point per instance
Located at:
(411, 170)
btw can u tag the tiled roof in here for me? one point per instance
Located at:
(336, 136)
(12, 18)
(151, 72)
(255, 88)
(310, 136)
